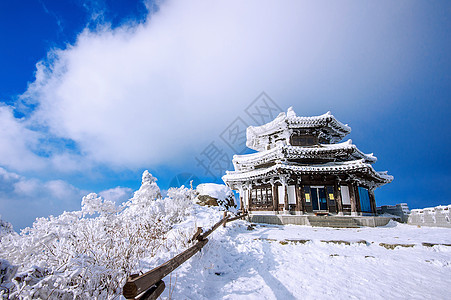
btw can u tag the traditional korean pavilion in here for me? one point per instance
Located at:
(302, 167)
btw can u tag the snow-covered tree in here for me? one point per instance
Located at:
(88, 254)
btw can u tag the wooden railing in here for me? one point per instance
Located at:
(150, 285)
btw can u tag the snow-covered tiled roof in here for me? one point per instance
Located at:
(257, 135)
(283, 152)
(328, 168)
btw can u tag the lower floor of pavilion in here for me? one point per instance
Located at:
(309, 195)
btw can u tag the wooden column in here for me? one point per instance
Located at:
(301, 193)
(338, 198)
(275, 197)
(249, 199)
(372, 200)
(299, 204)
(352, 197)
(286, 206)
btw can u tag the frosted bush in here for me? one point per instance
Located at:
(5, 228)
(88, 254)
(92, 204)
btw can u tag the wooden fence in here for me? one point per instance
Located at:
(150, 285)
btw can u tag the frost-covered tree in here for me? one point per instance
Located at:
(88, 254)
(5, 228)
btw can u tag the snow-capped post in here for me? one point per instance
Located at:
(198, 232)
(225, 218)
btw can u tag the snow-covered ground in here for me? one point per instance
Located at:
(239, 263)
(88, 254)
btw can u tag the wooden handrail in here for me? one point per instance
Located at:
(137, 285)
(236, 218)
(150, 284)
(154, 292)
(208, 232)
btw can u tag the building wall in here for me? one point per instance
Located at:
(401, 210)
(439, 216)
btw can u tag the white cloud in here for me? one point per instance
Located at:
(24, 199)
(17, 142)
(159, 92)
(117, 195)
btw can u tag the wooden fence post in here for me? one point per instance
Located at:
(225, 217)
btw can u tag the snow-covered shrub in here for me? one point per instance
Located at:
(88, 254)
(5, 228)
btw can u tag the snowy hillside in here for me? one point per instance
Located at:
(88, 254)
(318, 263)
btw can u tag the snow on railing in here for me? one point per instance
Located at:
(150, 285)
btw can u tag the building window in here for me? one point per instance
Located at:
(345, 198)
(303, 140)
(261, 196)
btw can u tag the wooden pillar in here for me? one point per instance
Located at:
(352, 196)
(299, 204)
(302, 195)
(338, 198)
(249, 199)
(241, 203)
(372, 200)
(286, 206)
(275, 197)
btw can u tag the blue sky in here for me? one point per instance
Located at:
(94, 92)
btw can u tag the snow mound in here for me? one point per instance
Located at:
(219, 192)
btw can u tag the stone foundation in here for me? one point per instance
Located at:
(320, 221)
